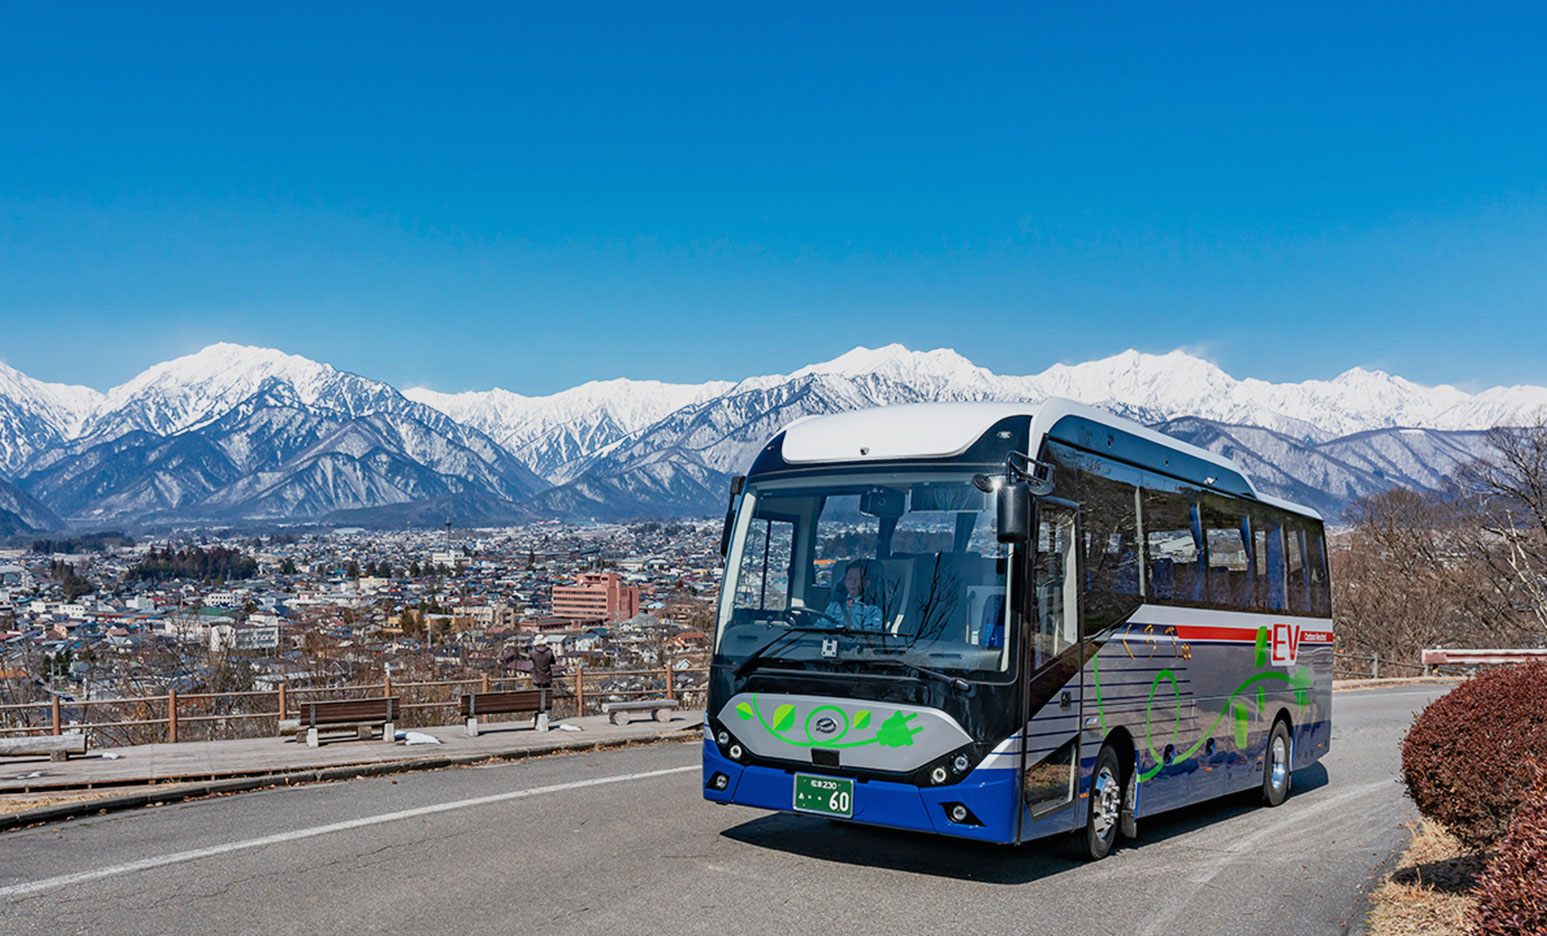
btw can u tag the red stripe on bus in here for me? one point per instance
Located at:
(1196, 632)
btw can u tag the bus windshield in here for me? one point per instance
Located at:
(890, 572)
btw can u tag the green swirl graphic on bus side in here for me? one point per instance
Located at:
(893, 732)
(1299, 681)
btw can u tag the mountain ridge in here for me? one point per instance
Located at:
(1147, 385)
(233, 431)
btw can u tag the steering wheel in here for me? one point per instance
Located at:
(814, 615)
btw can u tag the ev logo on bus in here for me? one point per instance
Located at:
(1286, 644)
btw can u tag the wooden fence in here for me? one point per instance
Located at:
(207, 716)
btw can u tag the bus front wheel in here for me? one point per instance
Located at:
(1106, 806)
(1275, 766)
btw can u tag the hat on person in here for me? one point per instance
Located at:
(541, 640)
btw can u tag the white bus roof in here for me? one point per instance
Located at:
(941, 430)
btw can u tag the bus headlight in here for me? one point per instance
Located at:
(723, 739)
(961, 763)
(937, 775)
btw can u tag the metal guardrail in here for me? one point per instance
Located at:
(1375, 661)
(1481, 657)
(168, 718)
(1432, 659)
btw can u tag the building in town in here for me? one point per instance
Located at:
(596, 598)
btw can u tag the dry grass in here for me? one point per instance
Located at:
(1346, 685)
(1429, 893)
(21, 802)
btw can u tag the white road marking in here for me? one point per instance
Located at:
(144, 864)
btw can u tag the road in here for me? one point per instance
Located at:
(620, 842)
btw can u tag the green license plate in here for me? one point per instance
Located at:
(830, 796)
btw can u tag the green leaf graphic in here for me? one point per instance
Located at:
(1241, 719)
(862, 718)
(1262, 647)
(744, 710)
(1300, 682)
(784, 717)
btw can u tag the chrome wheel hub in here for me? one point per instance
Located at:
(1106, 803)
(1278, 763)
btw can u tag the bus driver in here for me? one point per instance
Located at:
(850, 607)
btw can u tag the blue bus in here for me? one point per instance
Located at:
(1005, 622)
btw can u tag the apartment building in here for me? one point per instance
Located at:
(596, 598)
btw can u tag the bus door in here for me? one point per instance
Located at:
(1052, 664)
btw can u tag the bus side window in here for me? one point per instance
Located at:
(1316, 554)
(1309, 593)
(1230, 575)
(1057, 593)
(1112, 555)
(1173, 543)
(765, 565)
(1269, 553)
(1299, 581)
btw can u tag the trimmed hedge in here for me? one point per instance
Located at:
(1512, 895)
(1467, 758)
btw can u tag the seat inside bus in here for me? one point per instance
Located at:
(953, 598)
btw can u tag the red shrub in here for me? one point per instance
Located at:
(1512, 895)
(1464, 760)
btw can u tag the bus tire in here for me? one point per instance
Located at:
(1276, 778)
(1104, 816)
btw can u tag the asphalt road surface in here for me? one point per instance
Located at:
(620, 842)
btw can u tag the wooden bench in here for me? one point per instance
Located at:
(57, 747)
(363, 715)
(475, 704)
(618, 712)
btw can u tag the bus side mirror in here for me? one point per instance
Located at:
(1014, 504)
(737, 483)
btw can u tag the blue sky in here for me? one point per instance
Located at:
(467, 196)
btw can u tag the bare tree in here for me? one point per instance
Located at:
(1406, 576)
(1462, 568)
(1509, 492)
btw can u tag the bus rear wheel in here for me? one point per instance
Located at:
(1275, 766)
(1106, 807)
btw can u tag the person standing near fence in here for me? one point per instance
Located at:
(542, 663)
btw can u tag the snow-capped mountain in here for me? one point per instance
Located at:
(275, 456)
(232, 431)
(35, 415)
(1321, 442)
(238, 432)
(189, 391)
(1154, 387)
(552, 433)
(1328, 475)
(558, 435)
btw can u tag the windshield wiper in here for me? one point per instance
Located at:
(755, 655)
(955, 682)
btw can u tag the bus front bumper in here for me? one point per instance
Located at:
(987, 795)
